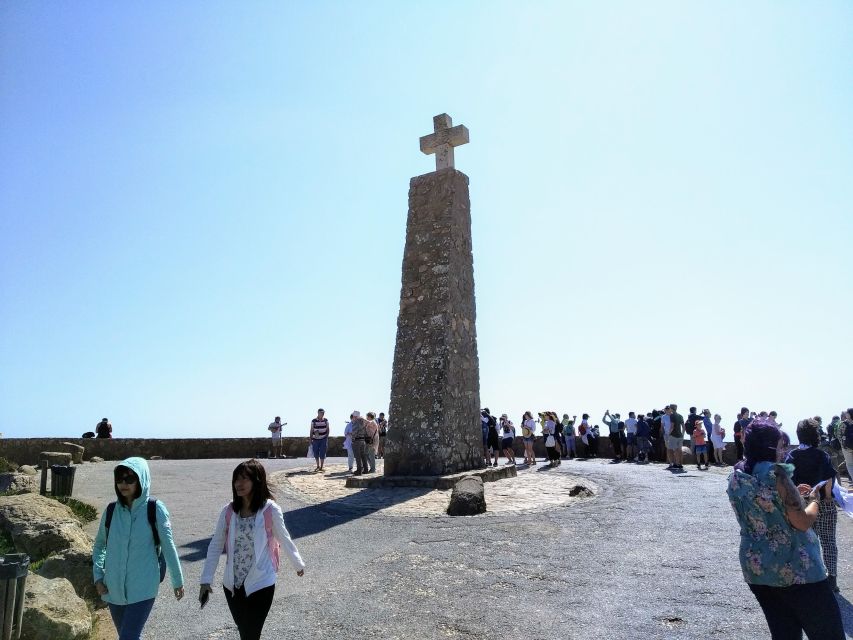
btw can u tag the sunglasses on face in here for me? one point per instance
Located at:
(128, 479)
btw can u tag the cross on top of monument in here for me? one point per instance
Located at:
(441, 142)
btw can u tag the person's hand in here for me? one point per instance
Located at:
(101, 588)
(300, 573)
(814, 494)
(804, 489)
(205, 588)
(179, 593)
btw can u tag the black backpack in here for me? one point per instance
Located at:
(152, 520)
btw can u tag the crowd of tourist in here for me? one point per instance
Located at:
(658, 435)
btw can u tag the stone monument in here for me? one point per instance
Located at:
(434, 413)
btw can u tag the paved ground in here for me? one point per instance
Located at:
(653, 555)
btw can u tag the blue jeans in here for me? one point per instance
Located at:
(319, 448)
(130, 618)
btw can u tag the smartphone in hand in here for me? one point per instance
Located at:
(204, 598)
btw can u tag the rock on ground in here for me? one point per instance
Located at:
(41, 526)
(75, 565)
(17, 482)
(52, 610)
(467, 498)
(28, 469)
(96, 459)
(76, 451)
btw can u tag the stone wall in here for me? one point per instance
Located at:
(434, 412)
(26, 450)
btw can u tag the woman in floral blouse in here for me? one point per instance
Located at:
(251, 531)
(780, 554)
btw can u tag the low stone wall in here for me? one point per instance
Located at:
(26, 450)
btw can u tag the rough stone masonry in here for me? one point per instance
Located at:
(434, 413)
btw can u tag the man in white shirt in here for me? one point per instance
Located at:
(275, 434)
(665, 428)
(631, 431)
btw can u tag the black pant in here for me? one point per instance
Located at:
(739, 448)
(801, 607)
(616, 445)
(359, 449)
(250, 612)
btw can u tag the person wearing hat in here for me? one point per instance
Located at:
(359, 443)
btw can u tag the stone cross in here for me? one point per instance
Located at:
(441, 142)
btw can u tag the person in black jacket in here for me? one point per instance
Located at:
(811, 467)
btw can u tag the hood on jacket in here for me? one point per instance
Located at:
(139, 466)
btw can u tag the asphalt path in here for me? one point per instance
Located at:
(652, 555)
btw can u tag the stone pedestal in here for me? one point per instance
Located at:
(434, 413)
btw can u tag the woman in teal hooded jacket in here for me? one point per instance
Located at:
(126, 561)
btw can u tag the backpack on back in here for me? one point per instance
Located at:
(151, 508)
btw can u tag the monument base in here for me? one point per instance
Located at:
(489, 474)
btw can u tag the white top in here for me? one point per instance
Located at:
(275, 430)
(530, 423)
(631, 425)
(548, 427)
(262, 572)
(717, 435)
(348, 436)
(665, 424)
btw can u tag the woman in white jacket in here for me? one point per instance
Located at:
(251, 530)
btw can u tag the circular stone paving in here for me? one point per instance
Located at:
(530, 490)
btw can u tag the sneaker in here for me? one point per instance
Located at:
(670, 467)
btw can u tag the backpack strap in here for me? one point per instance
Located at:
(109, 519)
(272, 542)
(152, 520)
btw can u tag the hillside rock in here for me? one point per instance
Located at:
(75, 565)
(41, 526)
(52, 610)
(17, 482)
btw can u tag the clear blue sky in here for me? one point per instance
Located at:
(203, 206)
